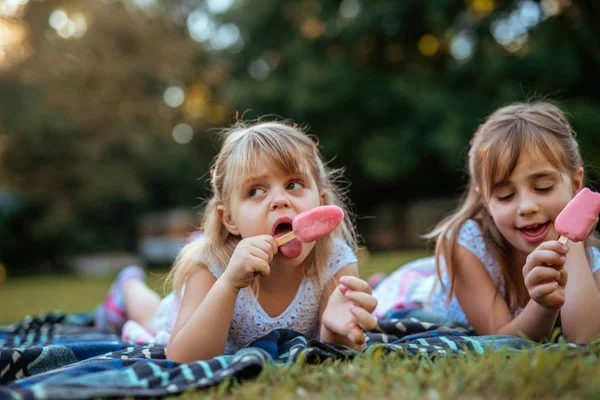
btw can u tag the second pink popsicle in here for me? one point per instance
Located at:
(579, 216)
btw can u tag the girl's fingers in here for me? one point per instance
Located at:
(261, 253)
(365, 319)
(356, 335)
(543, 290)
(541, 274)
(562, 281)
(364, 300)
(554, 245)
(261, 266)
(267, 244)
(547, 257)
(355, 283)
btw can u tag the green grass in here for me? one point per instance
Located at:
(540, 374)
(373, 375)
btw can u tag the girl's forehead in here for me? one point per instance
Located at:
(264, 167)
(526, 160)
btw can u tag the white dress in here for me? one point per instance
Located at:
(250, 321)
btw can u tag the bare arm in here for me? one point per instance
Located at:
(208, 303)
(582, 298)
(487, 311)
(204, 318)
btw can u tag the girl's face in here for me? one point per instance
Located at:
(266, 203)
(525, 207)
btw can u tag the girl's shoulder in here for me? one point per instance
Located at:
(216, 270)
(470, 229)
(470, 236)
(341, 255)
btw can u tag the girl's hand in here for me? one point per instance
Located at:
(251, 257)
(349, 310)
(545, 274)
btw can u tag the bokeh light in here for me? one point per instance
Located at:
(68, 26)
(482, 8)
(225, 36)
(259, 69)
(219, 6)
(550, 7)
(13, 45)
(312, 28)
(183, 133)
(200, 25)
(462, 46)
(12, 8)
(174, 96)
(428, 45)
(349, 8)
(197, 101)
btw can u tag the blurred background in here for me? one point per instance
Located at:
(109, 109)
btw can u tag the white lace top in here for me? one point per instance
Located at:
(250, 321)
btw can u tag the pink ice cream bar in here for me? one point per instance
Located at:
(312, 224)
(579, 216)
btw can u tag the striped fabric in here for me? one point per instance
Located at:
(58, 355)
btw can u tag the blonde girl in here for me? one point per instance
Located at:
(233, 284)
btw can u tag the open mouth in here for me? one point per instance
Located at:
(535, 233)
(291, 249)
(282, 229)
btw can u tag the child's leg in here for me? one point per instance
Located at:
(112, 314)
(142, 302)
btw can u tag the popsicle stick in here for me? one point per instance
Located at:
(563, 239)
(285, 238)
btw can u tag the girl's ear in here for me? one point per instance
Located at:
(577, 181)
(227, 221)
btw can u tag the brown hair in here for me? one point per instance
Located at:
(495, 150)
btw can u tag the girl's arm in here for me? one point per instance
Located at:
(346, 308)
(208, 303)
(579, 320)
(204, 318)
(487, 311)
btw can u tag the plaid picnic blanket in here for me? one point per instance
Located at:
(58, 355)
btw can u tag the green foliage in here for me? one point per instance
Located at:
(86, 137)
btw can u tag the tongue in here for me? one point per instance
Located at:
(535, 231)
(291, 249)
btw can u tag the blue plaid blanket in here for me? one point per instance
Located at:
(58, 355)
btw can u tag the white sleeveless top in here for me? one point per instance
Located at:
(250, 321)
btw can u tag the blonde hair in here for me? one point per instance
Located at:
(246, 146)
(538, 127)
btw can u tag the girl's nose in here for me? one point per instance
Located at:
(280, 200)
(527, 205)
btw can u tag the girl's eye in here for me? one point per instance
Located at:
(294, 185)
(505, 197)
(255, 192)
(545, 189)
